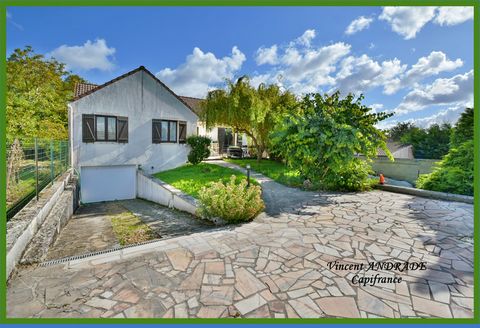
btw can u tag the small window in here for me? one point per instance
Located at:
(182, 132)
(164, 131)
(105, 128)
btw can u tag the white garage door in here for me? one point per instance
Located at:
(102, 183)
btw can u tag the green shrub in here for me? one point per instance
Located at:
(454, 173)
(231, 201)
(323, 136)
(200, 148)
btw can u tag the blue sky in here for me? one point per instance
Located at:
(416, 61)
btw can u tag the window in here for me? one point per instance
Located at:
(100, 127)
(182, 132)
(104, 128)
(164, 131)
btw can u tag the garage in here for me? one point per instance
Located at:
(104, 183)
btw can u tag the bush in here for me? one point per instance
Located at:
(200, 148)
(231, 201)
(323, 137)
(454, 173)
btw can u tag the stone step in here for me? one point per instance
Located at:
(58, 217)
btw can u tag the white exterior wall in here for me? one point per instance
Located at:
(140, 98)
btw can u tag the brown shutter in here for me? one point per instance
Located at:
(88, 128)
(156, 128)
(182, 132)
(122, 129)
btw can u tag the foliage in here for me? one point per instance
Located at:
(200, 148)
(322, 141)
(191, 178)
(249, 110)
(232, 201)
(432, 143)
(398, 131)
(38, 90)
(463, 130)
(129, 229)
(272, 169)
(454, 173)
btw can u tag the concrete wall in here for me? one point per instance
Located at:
(140, 98)
(403, 169)
(159, 192)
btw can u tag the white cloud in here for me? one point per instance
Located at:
(449, 115)
(201, 71)
(376, 107)
(315, 63)
(9, 15)
(433, 64)
(407, 21)
(455, 90)
(358, 24)
(300, 66)
(90, 55)
(453, 15)
(359, 74)
(306, 38)
(267, 55)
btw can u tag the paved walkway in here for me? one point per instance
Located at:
(280, 265)
(275, 195)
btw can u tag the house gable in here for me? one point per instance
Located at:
(83, 89)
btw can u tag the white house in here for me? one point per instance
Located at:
(131, 122)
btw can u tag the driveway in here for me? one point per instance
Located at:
(90, 229)
(302, 262)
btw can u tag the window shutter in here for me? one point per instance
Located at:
(88, 128)
(122, 129)
(156, 136)
(182, 132)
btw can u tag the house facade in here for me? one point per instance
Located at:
(132, 122)
(222, 136)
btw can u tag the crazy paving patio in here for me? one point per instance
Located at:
(276, 266)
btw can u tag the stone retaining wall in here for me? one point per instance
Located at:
(24, 225)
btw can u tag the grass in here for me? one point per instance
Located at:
(191, 178)
(272, 169)
(129, 229)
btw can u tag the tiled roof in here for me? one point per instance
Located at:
(194, 103)
(81, 88)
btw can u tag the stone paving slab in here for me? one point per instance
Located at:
(278, 266)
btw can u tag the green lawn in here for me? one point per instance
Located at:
(191, 178)
(272, 169)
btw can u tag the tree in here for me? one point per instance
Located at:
(249, 110)
(463, 130)
(323, 139)
(38, 90)
(398, 131)
(432, 142)
(455, 172)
